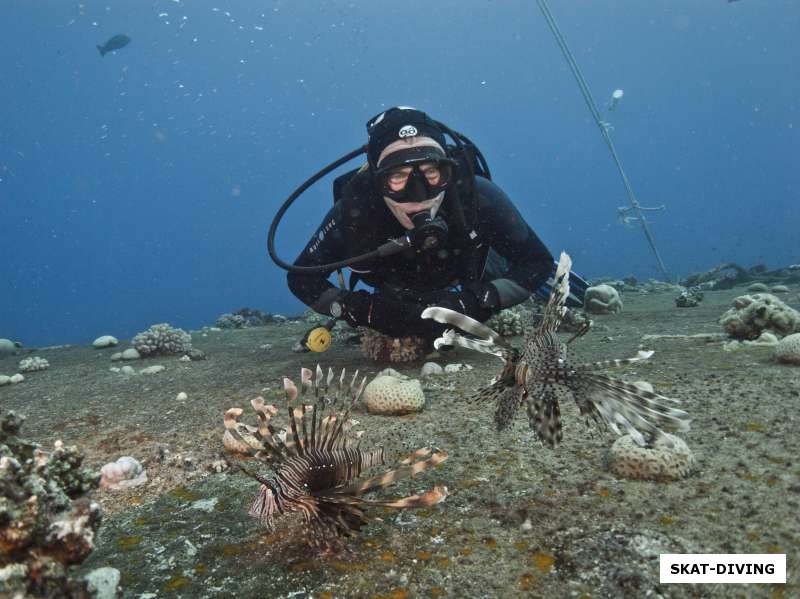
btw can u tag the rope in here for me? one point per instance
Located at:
(604, 129)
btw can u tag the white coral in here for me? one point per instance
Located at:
(393, 394)
(752, 314)
(33, 364)
(602, 299)
(787, 350)
(162, 339)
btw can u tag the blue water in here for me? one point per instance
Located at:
(138, 188)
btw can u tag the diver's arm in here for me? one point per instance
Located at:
(529, 261)
(325, 247)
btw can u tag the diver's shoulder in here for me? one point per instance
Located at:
(488, 191)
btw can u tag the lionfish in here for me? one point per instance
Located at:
(542, 373)
(316, 462)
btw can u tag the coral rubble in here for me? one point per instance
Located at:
(45, 524)
(382, 348)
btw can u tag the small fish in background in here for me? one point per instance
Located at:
(542, 372)
(115, 43)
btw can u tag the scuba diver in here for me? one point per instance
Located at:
(445, 234)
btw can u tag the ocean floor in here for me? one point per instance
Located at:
(521, 520)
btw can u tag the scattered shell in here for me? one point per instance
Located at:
(458, 367)
(125, 473)
(154, 369)
(430, 368)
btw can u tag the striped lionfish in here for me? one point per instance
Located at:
(542, 372)
(317, 461)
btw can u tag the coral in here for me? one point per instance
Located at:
(125, 473)
(33, 364)
(382, 348)
(788, 349)
(602, 299)
(393, 394)
(8, 347)
(668, 458)
(105, 341)
(253, 317)
(689, 298)
(753, 314)
(162, 339)
(231, 321)
(316, 468)
(506, 323)
(45, 523)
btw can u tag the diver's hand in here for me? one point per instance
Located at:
(479, 303)
(388, 315)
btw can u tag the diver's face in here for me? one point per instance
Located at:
(398, 178)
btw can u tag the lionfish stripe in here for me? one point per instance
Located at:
(463, 322)
(298, 444)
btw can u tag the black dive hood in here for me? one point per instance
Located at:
(428, 232)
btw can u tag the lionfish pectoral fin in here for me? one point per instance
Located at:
(637, 411)
(462, 321)
(427, 499)
(391, 476)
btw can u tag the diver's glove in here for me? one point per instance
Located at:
(388, 315)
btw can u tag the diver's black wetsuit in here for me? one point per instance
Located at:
(406, 283)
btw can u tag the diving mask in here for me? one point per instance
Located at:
(415, 181)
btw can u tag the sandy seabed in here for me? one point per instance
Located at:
(521, 521)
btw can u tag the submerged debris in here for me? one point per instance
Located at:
(317, 461)
(542, 373)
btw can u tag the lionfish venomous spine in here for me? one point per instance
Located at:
(316, 462)
(542, 373)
